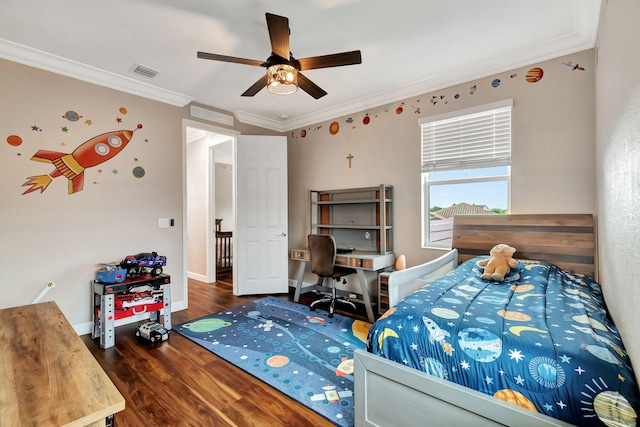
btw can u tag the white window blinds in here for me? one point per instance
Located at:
(468, 139)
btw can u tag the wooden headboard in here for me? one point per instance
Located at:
(566, 240)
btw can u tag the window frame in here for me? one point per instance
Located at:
(427, 183)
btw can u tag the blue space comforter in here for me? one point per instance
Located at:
(541, 339)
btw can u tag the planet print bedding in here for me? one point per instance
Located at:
(541, 339)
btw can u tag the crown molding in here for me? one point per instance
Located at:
(565, 46)
(260, 121)
(45, 61)
(574, 42)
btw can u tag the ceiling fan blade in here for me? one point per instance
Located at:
(225, 58)
(334, 60)
(310, 87)
(279, 34)
(257, 86)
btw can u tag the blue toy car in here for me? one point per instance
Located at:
(143, 262)
(111, 273)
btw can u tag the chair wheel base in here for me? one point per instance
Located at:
(332, 303)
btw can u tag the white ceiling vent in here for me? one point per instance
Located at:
(144, 71)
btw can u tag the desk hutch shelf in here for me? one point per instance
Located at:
(358, 218)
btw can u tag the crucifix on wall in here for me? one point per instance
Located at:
(349, 157)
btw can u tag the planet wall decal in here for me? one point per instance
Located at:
(334, 127)
(72, 116)
(14, 140)
(534, 75)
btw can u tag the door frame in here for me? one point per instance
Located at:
(210, 228)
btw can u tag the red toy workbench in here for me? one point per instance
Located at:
(113, 301)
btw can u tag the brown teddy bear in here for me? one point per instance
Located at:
(499, 264)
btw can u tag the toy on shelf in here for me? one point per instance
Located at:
(143, 262)
(152, 331)
(111, 273)
(138, 302)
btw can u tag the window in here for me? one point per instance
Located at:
(466, 168)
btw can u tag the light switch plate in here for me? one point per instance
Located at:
(163, 222)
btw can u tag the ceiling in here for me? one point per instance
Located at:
(408, 47)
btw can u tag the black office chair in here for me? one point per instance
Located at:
(322, 248)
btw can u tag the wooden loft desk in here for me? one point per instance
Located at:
(49, 377)
(359, 219)
(361, 261)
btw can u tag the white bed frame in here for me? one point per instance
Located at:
(387, 393)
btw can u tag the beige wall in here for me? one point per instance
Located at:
(54, 236)
(618, 166)
(553, 149)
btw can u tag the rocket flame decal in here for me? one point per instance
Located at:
(91, 153)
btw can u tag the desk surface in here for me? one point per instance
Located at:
(361, 261)
(365, 260)
(48, 375)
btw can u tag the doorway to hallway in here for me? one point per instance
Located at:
(209, 201)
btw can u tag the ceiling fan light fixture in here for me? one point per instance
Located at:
(282, 79)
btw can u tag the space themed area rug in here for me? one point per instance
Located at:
(302, 353)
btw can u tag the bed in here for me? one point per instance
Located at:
(536, 349)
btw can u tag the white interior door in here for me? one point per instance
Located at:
(260, 255)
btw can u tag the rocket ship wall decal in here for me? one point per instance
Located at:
(91, 153)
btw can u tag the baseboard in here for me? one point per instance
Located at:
(303, 289)
(196, 276)
(293, 283)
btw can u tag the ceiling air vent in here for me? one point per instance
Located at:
(144, 71)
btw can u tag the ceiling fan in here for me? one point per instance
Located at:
(283, 70)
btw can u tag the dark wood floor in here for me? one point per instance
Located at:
(178, 383)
